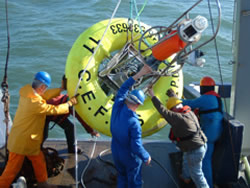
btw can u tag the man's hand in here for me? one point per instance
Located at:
(95, 134)
(151, 91)
(73, 100)
(145, 70)
(148, 161)
(171, 93)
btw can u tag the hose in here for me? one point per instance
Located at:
(157, 162)
(89, 161)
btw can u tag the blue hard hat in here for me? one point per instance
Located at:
(43, 77)
(136, 96)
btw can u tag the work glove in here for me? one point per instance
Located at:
(171, 93)
(73, 100)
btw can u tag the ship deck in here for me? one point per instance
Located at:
(162, 172)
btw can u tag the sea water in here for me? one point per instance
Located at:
(43, 31)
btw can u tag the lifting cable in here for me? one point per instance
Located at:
(221, 79)
(6, 97)
(82, 74)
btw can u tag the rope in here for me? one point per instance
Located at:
(168, 173)
(89, 161)
(82, 74)
(221, 79)
(131, 9)
(157, 162)
(137, 16)
(142, 9)
(8, 49)
(139, 20)
(99, 44)
(6, 98)
(107, 162)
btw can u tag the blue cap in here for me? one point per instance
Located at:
(43, 77)
(136, 96)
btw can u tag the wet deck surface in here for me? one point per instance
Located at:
(101, 172)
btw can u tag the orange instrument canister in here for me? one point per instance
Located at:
(168, 47)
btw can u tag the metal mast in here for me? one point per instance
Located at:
(240, 91)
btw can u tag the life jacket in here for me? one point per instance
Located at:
(219, 109)
(56, 101)
(171, 136)
(58, 119)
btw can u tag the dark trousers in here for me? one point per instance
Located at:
(68, 128)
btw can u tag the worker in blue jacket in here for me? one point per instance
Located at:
(127, 149)
(210, 110)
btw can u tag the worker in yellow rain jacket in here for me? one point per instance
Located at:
(26, 134)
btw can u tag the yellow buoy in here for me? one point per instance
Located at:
(94, 105)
